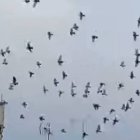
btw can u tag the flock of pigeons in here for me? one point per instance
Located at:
(45, 129)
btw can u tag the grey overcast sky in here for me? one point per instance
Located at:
(114, 22)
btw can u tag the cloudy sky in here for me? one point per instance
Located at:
(113, 21)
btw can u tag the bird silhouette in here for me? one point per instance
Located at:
(31, 74)
(7, 50)
(85, 95)
(115, 121)
(132, 76)
(63, 130)
(94, 37)
(135, 35)
(15, 81)
(137, 61)
(84, 134)
(127, 107)
(11, 86)
(45, 89)
(55, 82)
(96, 106)
(112, 111)
(60, 61)
(22, 116)
(60, 92)
(2, 52)
(88, 85)
(35, 3)
(73, 85)
(81, 15)
(73, 92)
(100, 87)
(64, 75)
(104, 92)
(29, 47)
(123, 107)
(5, 62)
(38, 64)
(75, 27)
(41, 118)
(138, 92)
(72, 32)
(121, 85)
(137, 52)
(87, 91)
(138, 22)
(24, 104)
(50, 35)
(122, 64)
(27, 1)
(131, 100)
(98, 130)
(105, 119)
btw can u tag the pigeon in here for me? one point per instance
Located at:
(138, 92)
(63, 131)
(135, 35)
(64, 75)
(41, 118)
(24, 104)
(112, 111)
(115, 121)
(96, 106)
(15, 81)
(31, 74)
(132, 75)
(73, 85)
(35, 3)
(72, 32)
(123, 107)
(55, 82)
(104, 92)
(44, 89)
(121, 85)
(60, 61)
(5, 62)
(138, 22)
(85, 95)
(81, 15)
(22, 116)
(98, 129)
(84, 134)
(122, 64)
(29, 47)
(105, 119)
(38, 64)
(88, 85)
(137, 61)
(60, 93)
(50, 35)
(11, 87)
(127, 107)
(94, 37)
(131, 100)
(2, 52)
(27, 1)
(75, 27)
(73, 93)
(137, 52)
(7, 50)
